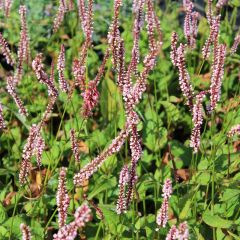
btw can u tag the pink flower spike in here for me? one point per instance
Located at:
(26, 232)
(61, 67)
(63, 199)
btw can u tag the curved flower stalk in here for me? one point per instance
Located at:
(26, 232)
(6, 51)
(235, 130)
(162, 216)
(63, 199)
(69, 231)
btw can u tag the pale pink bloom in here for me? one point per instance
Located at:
(162, 216)
(6, 51)
(74, 145)
(217, 75)
(235, 44)
(197, 121)
(173, 53)
(69, 231)
(59, 16)
(184, 78)
(123, 181)
(234, 130)
(61, 68)
(62, 197)
(183, 233)
(173, 233)
(7, 6)
(26, 232)
(12, 91)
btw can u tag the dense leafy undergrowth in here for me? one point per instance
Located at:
(205, 184)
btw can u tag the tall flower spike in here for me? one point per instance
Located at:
(6, 51)
(61, 67)
(27, 154)
(12, 91)
(136, 152)
(217, 75)
(235, 44)
(184, 78)
(197, 121)
(59, 16)
(69, 232)
(162, 216)
(234, 130)
(26, 232)
(123, 180)
(74, 145)
(2, 122)
(213, 36)
(42, 76)
(23, 48)
(40, 145)
(173, 53)
(8, 5)
(150, 25)
(63, 199)
(220, 4)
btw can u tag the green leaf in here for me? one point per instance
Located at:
(216, 221)
(102, 186)
(3, 214)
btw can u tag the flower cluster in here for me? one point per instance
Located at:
(197, 121)
(162, 216)
(184, 78)
(123, 180)
(42, 76)
(190, 23)
(180, 233)
(12, 91)
(34, 146)
(74, 145)
(69, 231)
(61, 67)
(62, 9)
(213, 36)
(26, 232)
(235, 44)
(234, 130)
(62, 197)
(217, 75)
(24, 45)
(173, 53)
(7, 7)
(6, 51)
